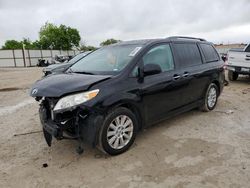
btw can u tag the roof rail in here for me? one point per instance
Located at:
(183, 37)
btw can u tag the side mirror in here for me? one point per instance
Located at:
(150, 69)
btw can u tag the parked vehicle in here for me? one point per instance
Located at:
(238, 62)
(42, 63)
(107, 97)
(62, 58)
(61, 67)
(55, 60)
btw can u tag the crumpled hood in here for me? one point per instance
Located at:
(61, 84)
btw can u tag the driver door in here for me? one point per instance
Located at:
(160, 92)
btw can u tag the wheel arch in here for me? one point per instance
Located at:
(133, 107)
(217, 83)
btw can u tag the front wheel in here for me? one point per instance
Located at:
(210, 99)
(118, 131)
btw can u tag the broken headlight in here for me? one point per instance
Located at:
(75, 99)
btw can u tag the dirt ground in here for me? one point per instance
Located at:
(195, 149)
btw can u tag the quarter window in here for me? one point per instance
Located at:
(160, 55)
(187, 54)
(209, 53)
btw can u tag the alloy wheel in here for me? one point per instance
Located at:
(120, 132)
(212, 97)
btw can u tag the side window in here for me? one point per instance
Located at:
(187, 54)
(160, 55)
(209, 53)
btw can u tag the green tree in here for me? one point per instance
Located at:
(87, 48)
(62, 37)
(109, 41)
(12, 44)
(37, 45)
(28, 44)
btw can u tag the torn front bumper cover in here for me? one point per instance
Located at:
(79, 124)
(52, 128)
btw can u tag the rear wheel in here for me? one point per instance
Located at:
(232, 76)
(210, 99)
(118, 132)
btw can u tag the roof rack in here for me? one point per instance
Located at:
(183, 37)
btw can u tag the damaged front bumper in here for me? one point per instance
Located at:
(80, 123)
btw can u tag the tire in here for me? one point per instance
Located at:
(211, 97)
(119, 125)
(232, 76)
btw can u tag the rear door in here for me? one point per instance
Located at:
(189, 61)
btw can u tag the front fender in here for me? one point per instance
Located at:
(119, 98)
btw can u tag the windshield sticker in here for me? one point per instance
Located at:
(134, 52)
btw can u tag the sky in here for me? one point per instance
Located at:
(226, 21)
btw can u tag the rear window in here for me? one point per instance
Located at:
(209, 53)
(187, 54)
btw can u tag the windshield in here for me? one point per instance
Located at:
(78, 57)
(106, 60)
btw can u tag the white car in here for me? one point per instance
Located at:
(238, 62)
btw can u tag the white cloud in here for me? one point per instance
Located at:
(98, 20)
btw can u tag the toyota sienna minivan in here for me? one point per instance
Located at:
(114, 92)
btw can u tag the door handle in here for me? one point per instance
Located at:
(176, 77)
(185, 74)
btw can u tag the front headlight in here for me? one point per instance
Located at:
(75, 99)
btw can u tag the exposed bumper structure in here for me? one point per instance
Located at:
(78, 124)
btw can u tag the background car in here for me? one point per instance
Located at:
(238, 62)
(61, 67)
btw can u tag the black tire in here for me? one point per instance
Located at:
(103, 136)
(232, 76)
(206, 107)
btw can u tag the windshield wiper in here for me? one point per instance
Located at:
(79, 72)
(83, 72)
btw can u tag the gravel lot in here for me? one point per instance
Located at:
(195, 149)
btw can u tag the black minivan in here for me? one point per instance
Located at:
(108, 96)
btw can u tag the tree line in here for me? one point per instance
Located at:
(55, 37)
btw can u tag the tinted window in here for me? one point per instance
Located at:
(187, 54)
(209, 53)
(160, 55)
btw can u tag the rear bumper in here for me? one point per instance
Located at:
(240, 70)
